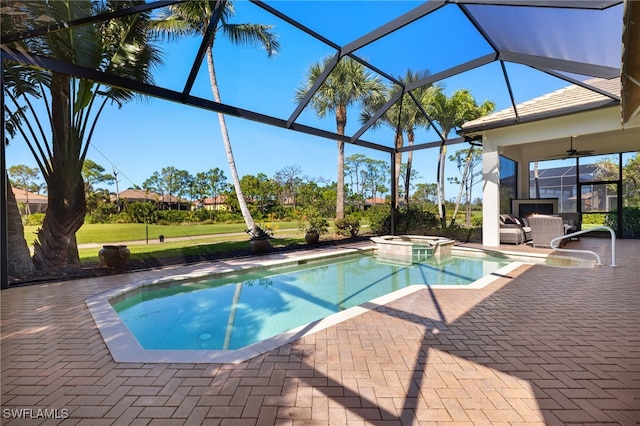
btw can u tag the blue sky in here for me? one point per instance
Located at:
(147, 135)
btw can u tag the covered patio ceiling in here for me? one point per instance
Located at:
(570, 41)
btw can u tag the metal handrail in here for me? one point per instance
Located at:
(597, 228)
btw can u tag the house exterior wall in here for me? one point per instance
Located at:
(600, 130)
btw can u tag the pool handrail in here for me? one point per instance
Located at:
(597, 228)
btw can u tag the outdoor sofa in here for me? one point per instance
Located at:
(514, 230)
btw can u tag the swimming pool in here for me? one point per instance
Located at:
(235, 311)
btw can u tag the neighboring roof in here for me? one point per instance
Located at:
(21, 196)
(220, 199)
(141, 194)
(564, 101)
(565, 175)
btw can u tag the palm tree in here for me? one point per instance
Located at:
(192, 18)
(73, 106)
(451, 113)
(348, 83)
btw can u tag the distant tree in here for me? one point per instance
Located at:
(217, 183)
(403, 117)
(169, 183)
(154, 183)
(405, 190)
(373, 176)
(289, 179)
(183, 185)
(199, 187)
(93, 174)
(24, 177)
(349, 83)
(261, 190)
(353, 166)
(467, 161)
(426, 193)
(631, 180)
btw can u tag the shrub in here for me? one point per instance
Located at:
(103, 213)
(476, 220)
(309, 219)
(228, 217)
(141, 212)
(415, 220)
(203, 215)
(349, 226)
(379, 217)
(630, 222)
(35, 219)
(594, 219)
(175, 216)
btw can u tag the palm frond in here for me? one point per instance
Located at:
(251, 35)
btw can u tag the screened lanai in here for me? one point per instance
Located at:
(494, 48)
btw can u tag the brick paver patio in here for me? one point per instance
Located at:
(541, 346)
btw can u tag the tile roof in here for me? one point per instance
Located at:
(141, 194)
(21, 196)
(560, 102)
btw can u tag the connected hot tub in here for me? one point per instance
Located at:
(410, 246)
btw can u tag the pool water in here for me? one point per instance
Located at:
(239, 310)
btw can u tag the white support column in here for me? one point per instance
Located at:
(490, 194)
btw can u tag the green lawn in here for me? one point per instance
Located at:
(119, 232)
(219, 238)
(187, 248)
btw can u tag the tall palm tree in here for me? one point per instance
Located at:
(451, 112)
(73, 106)
(349, 83)
(192, 18)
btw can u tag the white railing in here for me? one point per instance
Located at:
(597, 228)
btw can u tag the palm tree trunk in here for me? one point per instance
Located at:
(57, 247)
(341, 122)
(399, 142)
(246, 214)
(440, 180)
(407, 178)
(20, 263)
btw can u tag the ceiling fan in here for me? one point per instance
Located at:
(573, 153)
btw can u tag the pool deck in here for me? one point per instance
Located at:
(542, 345)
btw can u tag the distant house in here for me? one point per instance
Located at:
(36, 203)
(163, 201)
(219, 204)
(378, 201)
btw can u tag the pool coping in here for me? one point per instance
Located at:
(124, 347)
